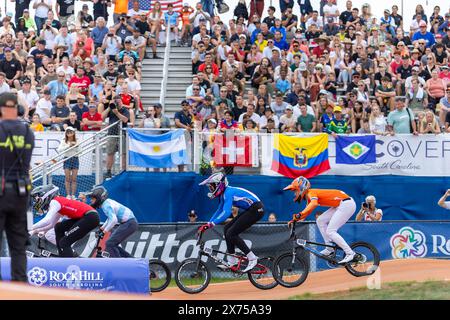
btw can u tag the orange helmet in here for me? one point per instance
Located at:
(300, 186)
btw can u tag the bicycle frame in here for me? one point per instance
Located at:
(212, 253)
(304, 244)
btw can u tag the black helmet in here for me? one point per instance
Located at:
(100, 194)
(41, 196)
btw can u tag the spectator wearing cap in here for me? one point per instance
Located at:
(331, 28)
(80, 107)
(206, 110)
(165, 121)
(415, 75)
(63, 43)
(326, 116)
(127, 51)
(415, 24)
(92, 119)
(401, 120)
(288, 122)
(39, 52)
(337, 125)
(115, 112)
(29, 97)
(389, 21)
(445, 74)
(424, 34)
(138, 43)
(183, 118)
(124, 27)
(29, 21)
(12, 69)
(268, 114)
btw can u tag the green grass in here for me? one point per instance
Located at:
(429, 290)
(172, 283)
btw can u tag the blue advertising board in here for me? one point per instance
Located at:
(122, 275)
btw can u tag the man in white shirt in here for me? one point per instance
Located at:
(4, 87)
(135, 12)
(28, 97)
(267, 52)
(314, 19)
(43, 108)
(251, 113)
(331, 10)
(198, 14)
(445, 204)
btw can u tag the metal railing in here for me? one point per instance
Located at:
(162, 96)
(44, 171)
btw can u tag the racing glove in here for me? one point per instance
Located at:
(205, 227)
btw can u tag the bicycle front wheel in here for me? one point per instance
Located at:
(366, 261)
(192, 276)
(261, 276)
(160, 275)
(290, 270)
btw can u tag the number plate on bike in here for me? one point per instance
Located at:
(46, 253)
(301, 242)
(208, 250)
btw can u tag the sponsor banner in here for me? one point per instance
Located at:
(46, 145)
(175, 243)
(123, 275)
(407, 155)
(398, 240)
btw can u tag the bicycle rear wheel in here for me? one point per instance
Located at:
(290, 271)
(261, 276)
(366, 261)
(192, 276)
(160, 275)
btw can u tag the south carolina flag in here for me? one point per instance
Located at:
(157, 151)
(355, 150)
(300, 156)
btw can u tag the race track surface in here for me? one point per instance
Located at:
(318, 282)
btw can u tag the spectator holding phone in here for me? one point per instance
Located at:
(368, 211)
(445, 204)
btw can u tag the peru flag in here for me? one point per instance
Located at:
(234, 150)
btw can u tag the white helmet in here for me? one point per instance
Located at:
(217, 184)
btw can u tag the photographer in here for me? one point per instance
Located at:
(445, 204)
(123, 28)
(368, 211)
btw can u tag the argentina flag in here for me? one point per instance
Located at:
(355, 149)
(157, 151)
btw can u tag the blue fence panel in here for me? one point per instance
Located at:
(167, 197)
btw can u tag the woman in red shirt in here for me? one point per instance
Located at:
(83, 46)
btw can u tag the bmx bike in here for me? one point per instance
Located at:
(193, 275)
(291, 269)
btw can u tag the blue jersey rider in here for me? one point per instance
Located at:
(229, 196)
(116, 214)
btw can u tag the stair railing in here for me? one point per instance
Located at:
(162, 96)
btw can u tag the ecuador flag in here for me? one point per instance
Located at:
(300, 156)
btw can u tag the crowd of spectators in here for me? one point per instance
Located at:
(305, 69)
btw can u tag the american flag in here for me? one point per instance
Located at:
(148, 4)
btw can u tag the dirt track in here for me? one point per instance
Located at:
(319, 282)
